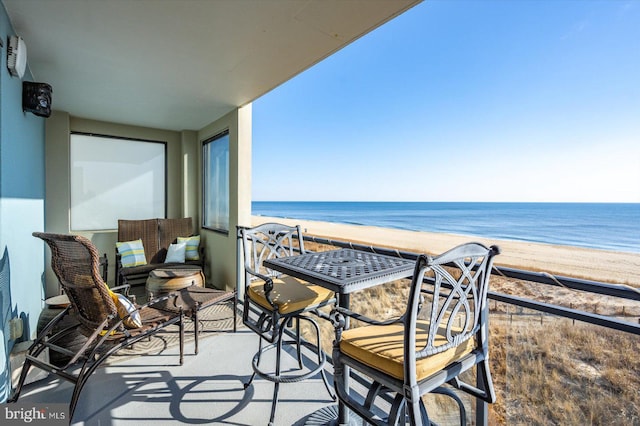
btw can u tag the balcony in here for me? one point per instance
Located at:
(552, 363)
(207, 389)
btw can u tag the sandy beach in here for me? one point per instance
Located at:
(597, 265)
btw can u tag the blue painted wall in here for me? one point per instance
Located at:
(22, 192)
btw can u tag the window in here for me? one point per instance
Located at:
(215, 154)
(115, 178)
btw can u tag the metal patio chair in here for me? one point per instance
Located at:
(442, 333)
(108, 325)
(274, 303)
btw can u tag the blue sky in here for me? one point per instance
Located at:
(464, 101)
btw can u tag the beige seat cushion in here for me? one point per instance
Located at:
(290, 294)
(381, 347)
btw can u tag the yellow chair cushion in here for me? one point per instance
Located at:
(381, 347)
(290, 295)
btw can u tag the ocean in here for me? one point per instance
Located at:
(606, 226)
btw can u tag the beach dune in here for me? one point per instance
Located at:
(597, 265)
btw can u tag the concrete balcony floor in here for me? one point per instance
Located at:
(207, 389)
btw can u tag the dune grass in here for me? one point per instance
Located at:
(561, 373)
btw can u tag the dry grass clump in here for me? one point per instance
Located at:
(562, 373)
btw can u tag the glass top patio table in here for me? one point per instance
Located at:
(344, 270)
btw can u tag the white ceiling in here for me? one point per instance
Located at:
(181, 64)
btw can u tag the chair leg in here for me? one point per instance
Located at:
(276, 387)
(397, 411)
(374, 390)
(181, 325)
(451, 394)
(246, 385)
(487, 381)
(23, 376)
(332, 394)
(276, 341)
(88, 367)
(274, 403)
(298, 343)
(416, 412)
(196, 330)
(76, 394)
(234, 306)
(423, 411)
(485, 391)
(35, 350)
(321, 360)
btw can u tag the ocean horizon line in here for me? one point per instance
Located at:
(606, 226)
(447, 202)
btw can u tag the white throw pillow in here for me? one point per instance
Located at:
(176, 253)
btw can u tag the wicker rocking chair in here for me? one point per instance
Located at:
(107, 326)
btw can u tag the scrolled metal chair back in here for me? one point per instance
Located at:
(451, 290)
(268, 241)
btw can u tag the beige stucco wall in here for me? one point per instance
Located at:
(190, 165)
(222, 246)
(180, 147)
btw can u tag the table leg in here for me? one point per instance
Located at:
(343, 413)
(196, 326)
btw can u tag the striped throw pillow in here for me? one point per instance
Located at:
(132, 253)
(193, 244)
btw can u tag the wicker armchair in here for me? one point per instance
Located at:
(156, 235)
(75, 261)
(442, 333)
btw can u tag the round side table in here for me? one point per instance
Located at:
(166, 280)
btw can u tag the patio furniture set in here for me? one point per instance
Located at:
(441, 333)
(405, 357)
